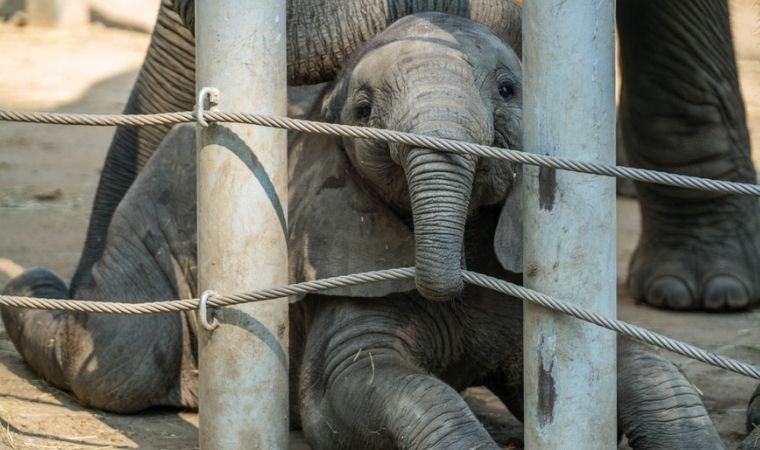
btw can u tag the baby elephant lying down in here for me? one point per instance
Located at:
(373, 367)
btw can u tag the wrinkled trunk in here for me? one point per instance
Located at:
(439, 188)
(440, 184)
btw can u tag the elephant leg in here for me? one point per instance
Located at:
(681, 111)
(41, 349)
(126, 363)
(166, 82)
(119, 364)
(658, 408)
(362, 388)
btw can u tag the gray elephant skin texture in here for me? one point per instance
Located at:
(372, 367)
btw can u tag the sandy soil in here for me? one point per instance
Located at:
(48, 176)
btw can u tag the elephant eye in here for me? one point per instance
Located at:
(506, 90)
(363, 110)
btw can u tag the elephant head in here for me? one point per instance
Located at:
(442, 76)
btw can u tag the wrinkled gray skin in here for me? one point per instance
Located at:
(372, 367)
(752, 442)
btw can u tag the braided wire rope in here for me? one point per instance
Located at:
(618, 326)
(398, 137)
(484, 281)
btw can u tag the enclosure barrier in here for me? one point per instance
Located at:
(528, 295)
(218, 301)
(252, 323)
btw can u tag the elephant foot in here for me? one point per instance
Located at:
(698, 254)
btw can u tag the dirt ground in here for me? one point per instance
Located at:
(48, 176)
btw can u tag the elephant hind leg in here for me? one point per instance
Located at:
(107, 362)
(38, 335)
(126, 363)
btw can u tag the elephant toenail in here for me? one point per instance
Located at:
(669, 291)
(725, 291)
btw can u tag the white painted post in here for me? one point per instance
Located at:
(58, 13)
(569, 111)
(242, 230)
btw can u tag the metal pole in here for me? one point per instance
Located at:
(242, 230)
(569, 111)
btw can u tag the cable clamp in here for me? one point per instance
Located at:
(210, 94)
(202, 311)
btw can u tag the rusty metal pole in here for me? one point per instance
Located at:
(569, 111)
(242, 229)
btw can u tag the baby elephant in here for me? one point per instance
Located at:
(372, 367)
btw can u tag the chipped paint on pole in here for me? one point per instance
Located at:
(242, 227)
(569, 111)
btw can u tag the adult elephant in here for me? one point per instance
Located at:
(372, 367)
(681, 111)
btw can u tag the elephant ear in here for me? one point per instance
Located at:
(337, 225)
(508, 242)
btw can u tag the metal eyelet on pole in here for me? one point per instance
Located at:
(206, 93)
(202, 312)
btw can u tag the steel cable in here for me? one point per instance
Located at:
(511, 289)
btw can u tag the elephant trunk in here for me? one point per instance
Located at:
(440, 184)
(439, 188)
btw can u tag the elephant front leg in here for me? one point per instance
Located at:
(381, 402)
(658, 408)
(681, 111)
(361, 389)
